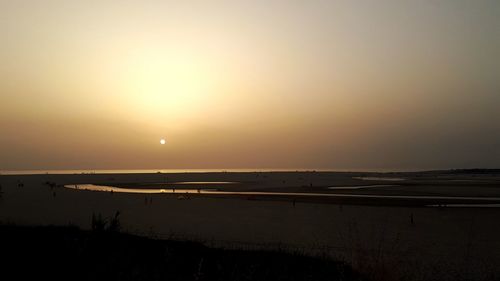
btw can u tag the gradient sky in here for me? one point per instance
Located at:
(249, 84)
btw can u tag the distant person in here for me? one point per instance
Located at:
(411, 219)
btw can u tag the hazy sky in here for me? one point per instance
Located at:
(249, 84)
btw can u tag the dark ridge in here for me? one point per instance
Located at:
(474, 171)
(68, 253)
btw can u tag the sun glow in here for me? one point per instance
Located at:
(166, 83)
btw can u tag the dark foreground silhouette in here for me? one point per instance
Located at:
(57, 253)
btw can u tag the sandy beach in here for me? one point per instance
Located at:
(413, 239)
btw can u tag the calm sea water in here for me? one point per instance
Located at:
(149, 171)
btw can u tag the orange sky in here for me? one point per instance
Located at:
(249, 84)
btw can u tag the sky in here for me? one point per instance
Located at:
(367, 85)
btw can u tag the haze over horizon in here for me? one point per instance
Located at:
(249, 84)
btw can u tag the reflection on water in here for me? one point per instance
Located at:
(360, 186)
(104, 188)
(205, 182)
(379, 179)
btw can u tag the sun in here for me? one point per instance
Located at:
(163, 141)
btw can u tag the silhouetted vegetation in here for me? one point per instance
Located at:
(55, 253)
(99, 224)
